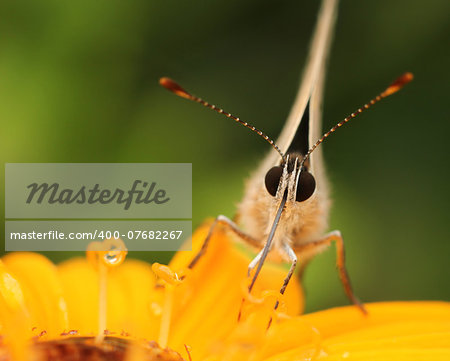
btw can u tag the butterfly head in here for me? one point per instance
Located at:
(292, 176)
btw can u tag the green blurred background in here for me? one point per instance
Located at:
(79, 83)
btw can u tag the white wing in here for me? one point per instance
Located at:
(310, 90)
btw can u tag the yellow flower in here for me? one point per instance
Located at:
(50, 312)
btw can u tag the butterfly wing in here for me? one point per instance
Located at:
(303, 124)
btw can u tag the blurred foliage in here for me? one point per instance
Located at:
(79, 84)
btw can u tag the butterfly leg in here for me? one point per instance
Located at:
(289, 252)
(293, 259)
(254, 262)
(229, 224)
(335, 236)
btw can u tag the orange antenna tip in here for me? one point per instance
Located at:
(399, 83)
(391, 89)
(169, 84)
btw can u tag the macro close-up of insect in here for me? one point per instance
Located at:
(286, 204)
(293, 205)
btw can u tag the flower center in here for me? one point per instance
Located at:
(111, 349)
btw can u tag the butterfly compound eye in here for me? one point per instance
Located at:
(305, 187)
(272, 179)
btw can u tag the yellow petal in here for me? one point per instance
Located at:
(79, 281)
(209, 300)
(392, 330)
(137, 281)
(42, 290)
(15, 323)
(81, 287)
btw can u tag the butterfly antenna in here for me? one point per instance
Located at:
(175, 88)
(391, 89)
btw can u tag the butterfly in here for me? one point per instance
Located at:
(285, 208)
